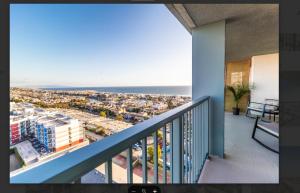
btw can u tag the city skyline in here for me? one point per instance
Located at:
(97, 46)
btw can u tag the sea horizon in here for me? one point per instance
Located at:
(162, 90)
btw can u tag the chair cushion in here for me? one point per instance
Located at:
(271, 127)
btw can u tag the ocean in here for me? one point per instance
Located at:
(163, 90)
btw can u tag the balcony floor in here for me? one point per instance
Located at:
(245, 160)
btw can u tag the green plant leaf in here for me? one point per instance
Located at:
(238, 91)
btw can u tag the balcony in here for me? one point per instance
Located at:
(245, 160)
(188, 141)
(220, 35)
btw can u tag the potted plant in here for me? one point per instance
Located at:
(238, 91)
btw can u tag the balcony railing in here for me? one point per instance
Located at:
(188, 127)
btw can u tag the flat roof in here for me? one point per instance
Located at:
(46, 119)
(56, 123)
(27, 152)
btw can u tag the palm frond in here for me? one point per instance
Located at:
(238, 91)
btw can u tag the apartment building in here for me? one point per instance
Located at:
(55, 131)
(58, 132)
(20, 127)
(15, 132)
(22, 121)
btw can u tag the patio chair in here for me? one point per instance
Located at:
(268, 127)
(270, 107)
(272, 102)
(256, 107)
(271, 110)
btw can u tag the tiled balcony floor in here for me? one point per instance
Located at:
(245, 161)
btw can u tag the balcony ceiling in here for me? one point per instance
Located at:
(251, 29)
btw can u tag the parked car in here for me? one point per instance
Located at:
(136, 147)
(42, 146)
(35, 142)
(167, 148)
(36, 145)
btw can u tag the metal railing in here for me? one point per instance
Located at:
(184, 140)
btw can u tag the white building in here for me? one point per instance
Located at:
(58, 132)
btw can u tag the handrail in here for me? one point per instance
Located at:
(71, 166)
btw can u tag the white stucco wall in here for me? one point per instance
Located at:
(264, 73)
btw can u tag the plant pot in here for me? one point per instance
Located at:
(235, 111)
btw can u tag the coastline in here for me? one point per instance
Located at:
(141, 90)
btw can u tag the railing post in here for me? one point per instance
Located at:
(155, 157)
(209, 125)
(177, 165)
(193, 146)
(190, 146)
(164, 155)
(108, 171)
(129, 166)
(171, 152)
(144, 160)
(207, 118)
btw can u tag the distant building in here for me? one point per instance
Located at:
(20, 127)
(160, 106)
(15, 133)
(27, 153)
(58, 132)
(55, 131)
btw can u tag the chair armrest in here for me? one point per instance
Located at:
(272, 105)
(256, 103)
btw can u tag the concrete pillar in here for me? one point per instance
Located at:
(208, 77)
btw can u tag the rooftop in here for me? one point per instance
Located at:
(27, 152)
(56, 123)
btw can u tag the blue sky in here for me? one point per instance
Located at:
(98, 45)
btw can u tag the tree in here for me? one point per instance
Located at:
(85, 125)
(119, 117)
(150, 152)
(170, 104)
(159, 135)
(100, 131)
(92, 129)
(102, 114)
